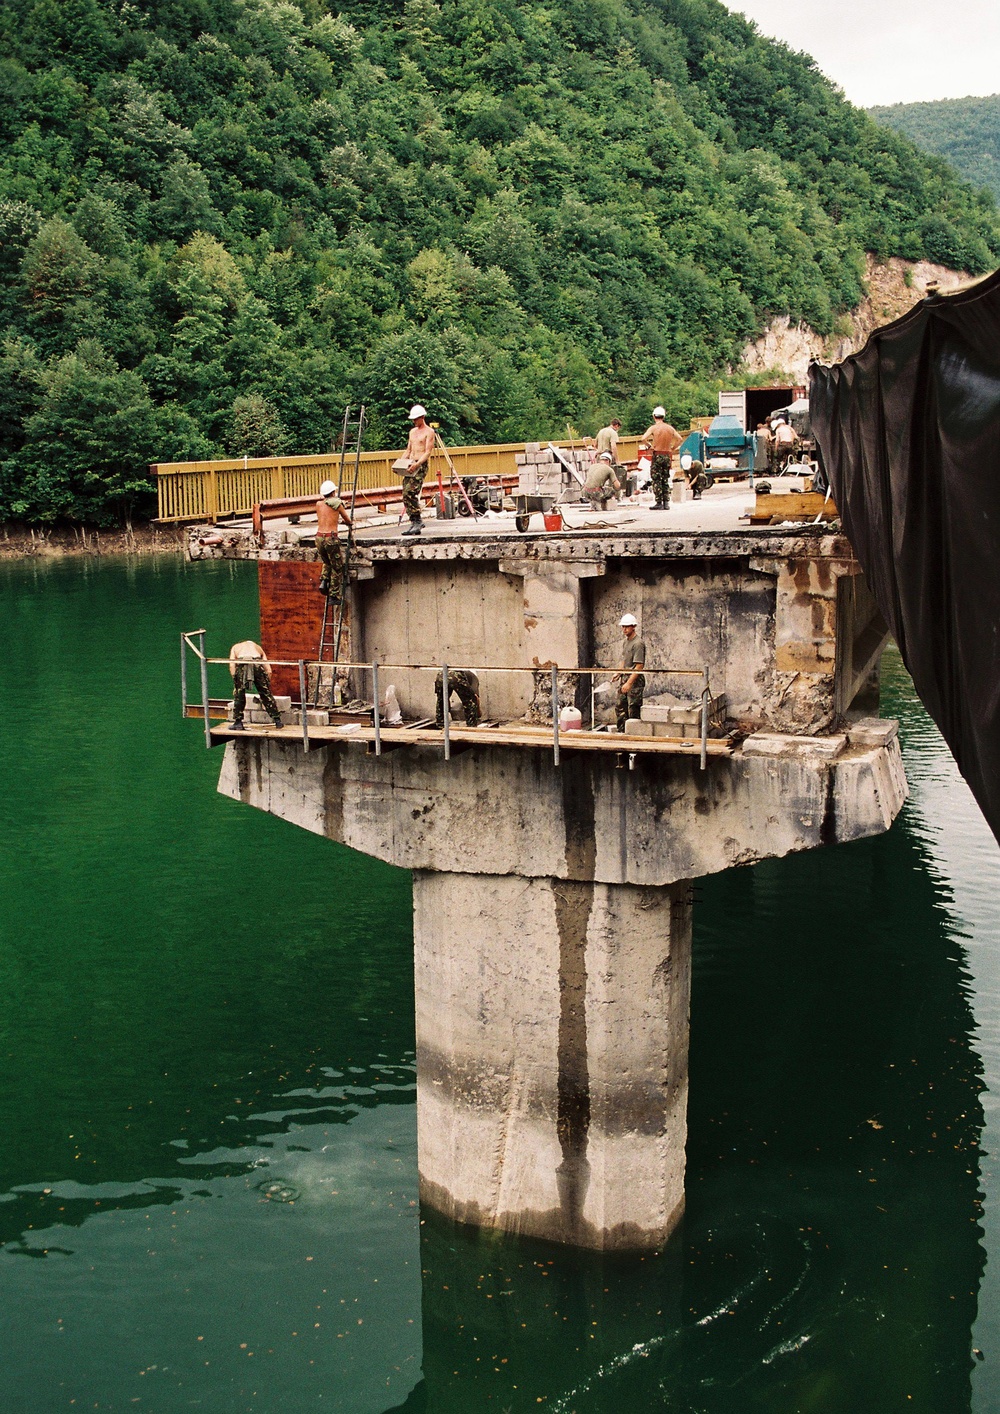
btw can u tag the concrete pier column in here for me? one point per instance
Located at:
(552, 1041)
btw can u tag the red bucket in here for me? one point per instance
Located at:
(553, 520)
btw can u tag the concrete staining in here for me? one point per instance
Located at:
(552, 912)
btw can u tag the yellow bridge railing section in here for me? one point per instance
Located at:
(209, 491)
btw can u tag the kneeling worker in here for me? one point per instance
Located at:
(631, 680)
(465, 684)
(329, 513)
(250, 668)
(601, 485)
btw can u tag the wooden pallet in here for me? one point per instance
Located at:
(774, 507)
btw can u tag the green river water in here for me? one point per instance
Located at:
(208, 1188)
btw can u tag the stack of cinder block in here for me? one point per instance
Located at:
(681, 719)
(541, 473)
(256, 716)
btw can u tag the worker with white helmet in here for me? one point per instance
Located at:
(664, 440)
(631, 680)
(601, 485)
(418, 450)
(329, 513)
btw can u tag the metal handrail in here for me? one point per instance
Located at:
(445, 669)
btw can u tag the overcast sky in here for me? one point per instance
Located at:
(891, 51)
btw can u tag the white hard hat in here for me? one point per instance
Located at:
(417, 411)
(628, 621)
(659, 411)
(605, 457)
(686, 460)
(327, 489)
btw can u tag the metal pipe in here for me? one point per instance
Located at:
(376, 717)
(704, 720)
(555, 715)
(446, 705)
(305, 705)
(204, 690)
(184, 676)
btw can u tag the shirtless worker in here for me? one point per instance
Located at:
(664, 441)
(419, 446)
(250, 668)
(329, 513)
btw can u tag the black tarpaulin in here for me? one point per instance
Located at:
(909, 429)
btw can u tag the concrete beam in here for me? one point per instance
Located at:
(661, 822)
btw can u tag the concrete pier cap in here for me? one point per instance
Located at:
(552, 901)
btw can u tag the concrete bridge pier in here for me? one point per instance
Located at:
(552, 1042)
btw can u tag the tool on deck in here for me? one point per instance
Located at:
(439, 442)
(353, 427)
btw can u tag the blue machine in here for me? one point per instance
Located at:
(725, 438)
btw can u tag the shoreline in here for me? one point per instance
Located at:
(62, 543)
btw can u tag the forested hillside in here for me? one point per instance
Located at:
(965, 131)
(219, 219)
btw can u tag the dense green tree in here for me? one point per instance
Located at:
(966, 131)
(222, 219)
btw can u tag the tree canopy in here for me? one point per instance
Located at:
(220, 220)
(965, 131)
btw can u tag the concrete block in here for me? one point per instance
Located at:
(680, 492)
(636, 727)
(520, 458)
(773, 744)
(684, 713)
(314, 718)
(872, 731)
(283, 704)
(532, 447)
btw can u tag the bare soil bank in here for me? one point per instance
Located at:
(18, 543)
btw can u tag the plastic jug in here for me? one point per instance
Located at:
(570, 719)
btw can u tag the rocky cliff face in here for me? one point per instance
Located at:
(894, 286)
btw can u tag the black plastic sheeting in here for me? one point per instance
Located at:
(909, 430)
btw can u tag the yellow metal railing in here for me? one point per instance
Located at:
(192, 491)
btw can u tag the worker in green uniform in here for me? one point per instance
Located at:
(602, 485)
(465, 685)
(631, 679)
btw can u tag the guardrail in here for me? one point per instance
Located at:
(553, 672)
(211, 490)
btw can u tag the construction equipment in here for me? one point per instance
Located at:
(470, 509)
(332, 628)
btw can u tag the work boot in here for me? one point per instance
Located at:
(277, 721)
(237, 727)
(416, 527)
(324, 587)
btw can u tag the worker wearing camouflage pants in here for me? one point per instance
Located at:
(250, 668)
(332, 579)
(660, 471)
(466, 685)
(631, 679)
(413, 483)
